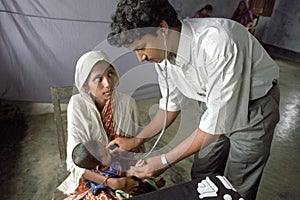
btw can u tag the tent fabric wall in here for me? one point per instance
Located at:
(281, 29)
(40, 42)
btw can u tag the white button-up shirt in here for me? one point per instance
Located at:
(220, 63)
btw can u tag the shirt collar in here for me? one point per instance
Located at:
(184, 47)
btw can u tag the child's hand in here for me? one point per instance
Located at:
(140, 163)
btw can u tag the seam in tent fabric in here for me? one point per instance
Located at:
(54, 18)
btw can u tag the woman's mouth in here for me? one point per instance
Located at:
(108, 93)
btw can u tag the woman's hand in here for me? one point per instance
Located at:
(124, 144)
(130, 184)
(151, 167)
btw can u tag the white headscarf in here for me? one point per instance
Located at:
(85, 65)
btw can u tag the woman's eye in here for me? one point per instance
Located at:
(110, 74)
(98, 79)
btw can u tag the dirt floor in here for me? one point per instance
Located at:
(31, 167)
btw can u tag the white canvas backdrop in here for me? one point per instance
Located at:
(40, 42)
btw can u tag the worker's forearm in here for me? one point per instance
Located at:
(195, 142)
(156, 125)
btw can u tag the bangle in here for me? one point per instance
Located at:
(105, 181)
(164, 161)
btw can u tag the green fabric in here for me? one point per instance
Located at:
(124, 195)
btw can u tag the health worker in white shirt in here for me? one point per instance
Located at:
(218, 63)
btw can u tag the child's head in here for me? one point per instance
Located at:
(91, 155)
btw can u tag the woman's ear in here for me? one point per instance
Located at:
(87, 90)
(85, 87)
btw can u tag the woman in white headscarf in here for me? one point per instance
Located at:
(100, 113)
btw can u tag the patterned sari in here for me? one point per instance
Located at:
(107, 120)
(83, 192)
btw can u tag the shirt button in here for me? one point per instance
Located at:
(201, 94)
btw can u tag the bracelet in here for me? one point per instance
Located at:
(164, 161)
(105, 181)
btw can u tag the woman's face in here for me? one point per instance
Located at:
(242, 6)
(102, 81)
(205, 12)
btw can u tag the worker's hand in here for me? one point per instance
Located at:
(130, 184)
(123, 144)
(151, 167)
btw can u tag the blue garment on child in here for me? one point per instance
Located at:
(113, 171)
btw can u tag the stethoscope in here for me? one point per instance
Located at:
(142, 158)
(167, 100)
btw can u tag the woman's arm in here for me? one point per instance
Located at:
(129, 184)
(249, 19)
(152, 129)
(235, 15)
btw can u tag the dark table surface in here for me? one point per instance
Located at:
(211, 187)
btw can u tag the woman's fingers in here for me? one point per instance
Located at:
(113, 147)
(124, 144)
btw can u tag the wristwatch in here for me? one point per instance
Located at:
(164, 161)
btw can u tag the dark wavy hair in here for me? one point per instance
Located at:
(133, 16)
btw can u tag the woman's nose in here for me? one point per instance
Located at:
(106, 82)
(141, 57)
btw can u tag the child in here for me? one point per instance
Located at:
(94, 156)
